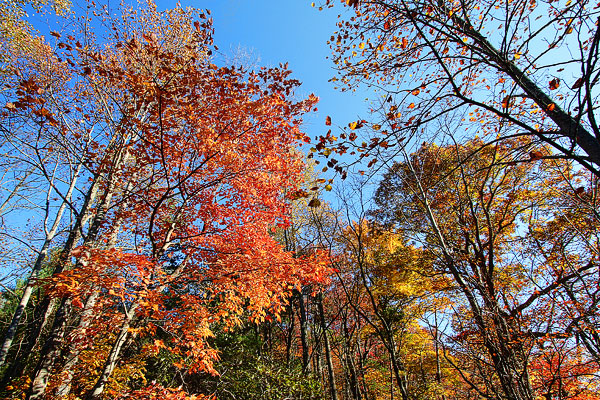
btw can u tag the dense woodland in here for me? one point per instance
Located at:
(168, 231)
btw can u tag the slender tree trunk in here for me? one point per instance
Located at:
(361, 366)
(436, 341)
(50, 351)
(317, 355)
(391, 380)
(354, 389)
(328, 358)
(73, 351)
(113, 357)
(303, 331)
(290, 334)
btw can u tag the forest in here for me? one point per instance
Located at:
(169, 229)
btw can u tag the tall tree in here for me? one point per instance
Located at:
(188, 166)
(513, 68)
(475, 212)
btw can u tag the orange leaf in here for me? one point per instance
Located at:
(554, 83)
(328, 120)
(411, 105)
(535, 155)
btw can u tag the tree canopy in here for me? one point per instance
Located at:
(165, 234)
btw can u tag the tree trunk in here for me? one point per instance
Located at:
(73, 350)
(290, 334)
(50, 352)
(113, 357)
(328, 359)
(303, 331)
(354, 388)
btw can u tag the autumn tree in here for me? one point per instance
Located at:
(375, 309)
(391, 287)
(186, 168)
(511, 68)
(42, 167)
(17, 34)
(476, 211)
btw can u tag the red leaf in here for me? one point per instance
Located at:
(535, 155)
(554, 84)
(578, 83)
